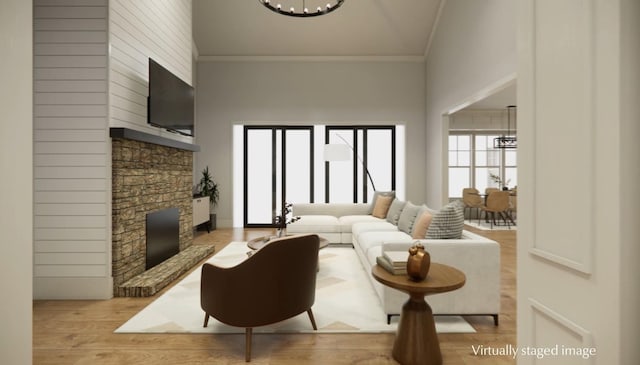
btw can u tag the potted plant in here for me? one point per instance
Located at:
(282, 220)
(208, 187)
(498, 180)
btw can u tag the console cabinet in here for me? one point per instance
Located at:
(201, 211)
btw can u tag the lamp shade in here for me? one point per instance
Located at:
(337, 152)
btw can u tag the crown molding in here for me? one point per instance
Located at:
(415, 59)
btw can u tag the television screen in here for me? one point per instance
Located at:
(170, 103)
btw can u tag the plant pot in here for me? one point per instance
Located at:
(212, 222)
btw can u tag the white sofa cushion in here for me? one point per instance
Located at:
(360, 227)
(315, 224)
(334, 209)
(347, 221)
(371, 242)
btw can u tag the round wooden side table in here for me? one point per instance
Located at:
(416, 339)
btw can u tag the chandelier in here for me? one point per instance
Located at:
(303, 11)
(507, 141)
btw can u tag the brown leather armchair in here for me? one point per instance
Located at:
(277, 282)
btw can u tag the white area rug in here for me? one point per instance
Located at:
(345, 302)
(486, 226)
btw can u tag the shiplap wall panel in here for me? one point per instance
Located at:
(73, 172)
(67, 184)
(70, 86)
(69, 271)
(90, 135)
(68, 123)
(123, 80)
(69, 110)
(65, 258)
(70, 24)
(70, 209)
(130, 94)
(44, 49)
(85, 73)
(69, 160)
(70, 147)
(70, 234)
(71, 98)
(72, 221)
(77, 37)
(72, 2)
(68, 222)
(70, 12)
(74, 246)
(140, 30)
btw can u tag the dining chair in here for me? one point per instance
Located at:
(497, 203)
(472, 199)
(488, 191)
(513, 204)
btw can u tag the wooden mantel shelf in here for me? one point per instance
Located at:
(126, 133)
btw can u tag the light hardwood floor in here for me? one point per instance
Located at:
(81, 332)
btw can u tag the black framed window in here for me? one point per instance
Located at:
(278, 168)
(370, 166)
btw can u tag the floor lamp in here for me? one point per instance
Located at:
(342, 152)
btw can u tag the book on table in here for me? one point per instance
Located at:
(396, 258)
(395, 269)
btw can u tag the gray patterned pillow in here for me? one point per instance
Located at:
(448, 222)
(407, 217)
(393, 214)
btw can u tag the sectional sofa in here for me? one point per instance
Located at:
(354, 224)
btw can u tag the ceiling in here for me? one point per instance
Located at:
(360, 28)
(498, 100)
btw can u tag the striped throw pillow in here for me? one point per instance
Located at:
(448, 222)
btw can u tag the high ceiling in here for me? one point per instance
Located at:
(228, 29)
(360, 28)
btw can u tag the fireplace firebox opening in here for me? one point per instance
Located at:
(163, 236)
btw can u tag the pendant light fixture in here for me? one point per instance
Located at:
(507, 141)
(318, 7)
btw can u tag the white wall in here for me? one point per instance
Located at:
(577, 273)
(16, 196)
(306, 92)
(72, 217)
(139, 30)
(630, 179)
(473, 48)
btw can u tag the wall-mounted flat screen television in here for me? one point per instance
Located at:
(170, 102)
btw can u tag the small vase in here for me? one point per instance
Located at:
(418, 262)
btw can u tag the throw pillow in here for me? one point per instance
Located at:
(448, 222)
(393, 215)
(407, 217)
(382, 206)
(421, 225)
(377, 194)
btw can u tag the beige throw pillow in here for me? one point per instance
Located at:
(382, 206)
(421, 225)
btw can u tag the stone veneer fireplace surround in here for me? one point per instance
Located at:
(149, 173)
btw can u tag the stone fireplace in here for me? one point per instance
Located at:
(146, 178)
